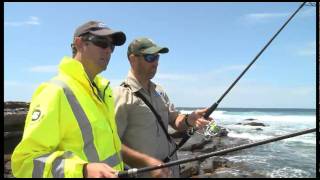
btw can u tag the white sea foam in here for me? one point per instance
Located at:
(291, 157)
(276, 124)
(289, 172)
(185, 111)
(305, 140)
(293, 119)
(217, 113)
(265, 117)
(251, 136)
(214, 114)
(248, 158)
(271, 119)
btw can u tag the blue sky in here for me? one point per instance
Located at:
(210, 45)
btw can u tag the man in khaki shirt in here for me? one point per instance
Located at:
(138, 126)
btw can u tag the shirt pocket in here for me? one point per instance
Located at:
(141, 115)
(163, 110)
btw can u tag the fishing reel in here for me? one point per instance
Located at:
(209, 131)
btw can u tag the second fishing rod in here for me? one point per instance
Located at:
(134, 172)
(214, 106)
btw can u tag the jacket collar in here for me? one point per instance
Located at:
(74, 69)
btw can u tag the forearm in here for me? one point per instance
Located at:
(134, 158)
(180, 124)
(137, 160)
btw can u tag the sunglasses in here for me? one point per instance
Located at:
(100, 42)
(150, 57)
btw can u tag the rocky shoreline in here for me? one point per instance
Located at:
(218, 166)
(14, 118)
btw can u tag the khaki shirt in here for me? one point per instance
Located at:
(138, 127)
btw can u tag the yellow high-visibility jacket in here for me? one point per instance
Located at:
(70, 122)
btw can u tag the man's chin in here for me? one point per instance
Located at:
(103, 68)
(152, 76)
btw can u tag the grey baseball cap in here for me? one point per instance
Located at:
(145, 45)
(98, 28)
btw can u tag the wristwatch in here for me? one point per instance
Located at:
(186, 120)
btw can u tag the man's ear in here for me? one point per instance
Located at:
(78, 43)
(132, 59)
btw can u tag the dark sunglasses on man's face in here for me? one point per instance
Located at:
(151, 57)
(100, 42)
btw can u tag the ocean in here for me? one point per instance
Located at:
(288, 158)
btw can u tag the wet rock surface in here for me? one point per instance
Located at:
(216, 166)
(7, 166)
(251, 122)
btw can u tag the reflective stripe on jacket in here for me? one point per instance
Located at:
(70, 122)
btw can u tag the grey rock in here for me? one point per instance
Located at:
(250, 119)
(14, 121)
(7, 166)
(222, 132)
(15, 104)
(254, 124)
(189, 169)
(251, 124)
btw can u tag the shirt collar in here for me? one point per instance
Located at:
(136, 85)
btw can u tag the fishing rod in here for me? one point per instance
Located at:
(311, 4)
(133, 172)
(213, 107)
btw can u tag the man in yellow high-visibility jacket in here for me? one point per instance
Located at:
(70, 129)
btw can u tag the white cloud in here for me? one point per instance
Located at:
(115, 82)
(262, 17)
(309, 49)
(242, 95)
(18, 90)
(19, 84)
(203, 75)
(204, 88)
(174, 77)
(272, 96)
(11, 83)
(237, 68)
(33, 20)
(311, 11)
(44, 69)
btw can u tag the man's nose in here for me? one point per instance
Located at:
(155, 62)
